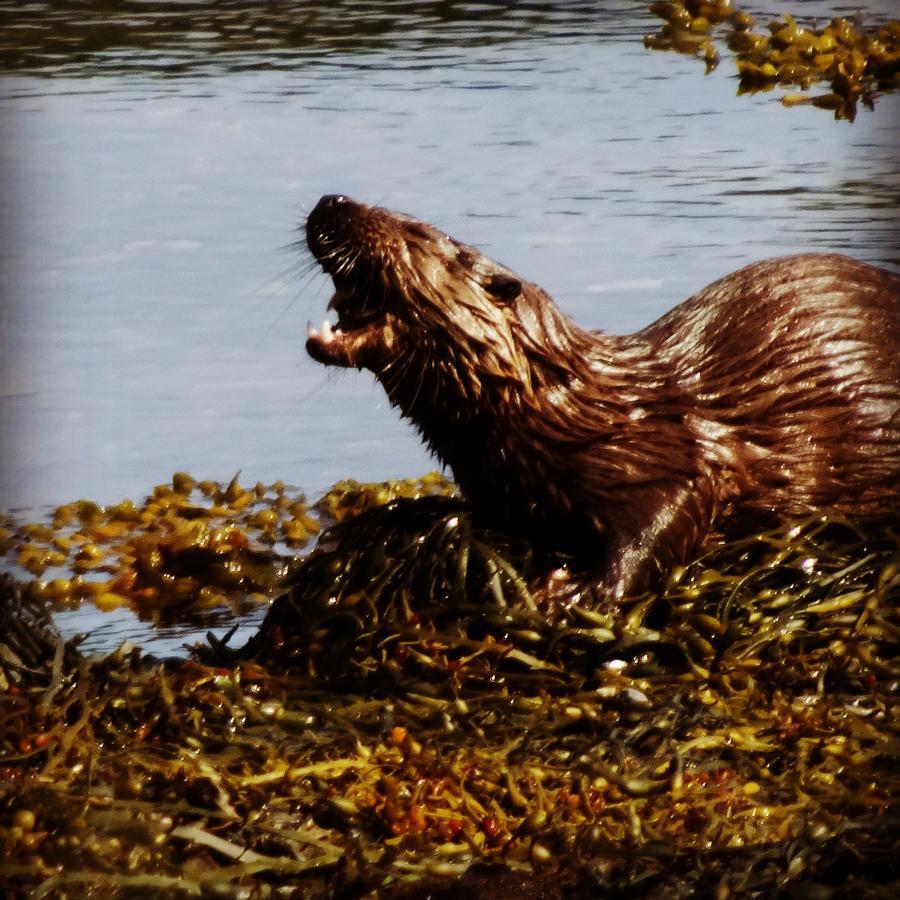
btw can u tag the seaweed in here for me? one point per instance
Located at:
(416, 718)
(857, 63)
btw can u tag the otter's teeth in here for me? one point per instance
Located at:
(327, 334)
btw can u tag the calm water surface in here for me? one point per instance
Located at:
(158, 160)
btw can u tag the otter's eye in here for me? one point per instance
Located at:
(503, 287)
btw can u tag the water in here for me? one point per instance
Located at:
(158, 159)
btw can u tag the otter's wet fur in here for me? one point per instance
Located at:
(772, 393)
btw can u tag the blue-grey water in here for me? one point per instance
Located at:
(157, 160)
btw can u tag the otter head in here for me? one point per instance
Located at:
(436, 321)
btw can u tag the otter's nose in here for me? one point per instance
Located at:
(330, 201)
(326, 220)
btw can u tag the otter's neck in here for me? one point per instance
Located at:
(517, 429)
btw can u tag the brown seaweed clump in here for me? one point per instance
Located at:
(191, 548)
(857, 63)
(408, 723)
(190, 545)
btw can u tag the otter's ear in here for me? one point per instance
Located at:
(503, 287)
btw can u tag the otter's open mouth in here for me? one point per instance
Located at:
(363, 335)
(356, 335)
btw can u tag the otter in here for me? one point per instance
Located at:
(773, 392)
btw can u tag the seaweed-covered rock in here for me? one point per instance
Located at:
(419, 717)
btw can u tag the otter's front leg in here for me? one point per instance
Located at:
(651, 530)
(639, 548)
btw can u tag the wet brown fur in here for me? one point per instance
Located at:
(774, 391)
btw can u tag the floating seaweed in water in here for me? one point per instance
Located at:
(857, 63)
(192, 546)
(409, 723)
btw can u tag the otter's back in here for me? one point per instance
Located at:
(798, 360)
